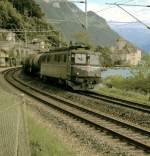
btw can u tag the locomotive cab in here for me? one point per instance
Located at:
(85, 69)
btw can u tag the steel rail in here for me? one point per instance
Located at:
(44, 97)
(118, 101)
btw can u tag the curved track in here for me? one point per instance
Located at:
(145, 108)
(125, 132)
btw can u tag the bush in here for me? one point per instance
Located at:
(139, 79)
(141, 84)
(19, 14)
(10, 18)
(105, 54)
(28, 7)
(114, 81)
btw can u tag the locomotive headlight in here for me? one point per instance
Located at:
(77, 73)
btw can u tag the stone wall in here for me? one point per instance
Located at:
(125, 53)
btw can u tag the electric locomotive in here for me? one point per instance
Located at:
(75, 66)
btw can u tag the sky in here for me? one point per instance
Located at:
(115, 14)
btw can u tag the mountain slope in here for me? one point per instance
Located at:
(99, 31)
(25, 15)
(135, 33)
(72, 20)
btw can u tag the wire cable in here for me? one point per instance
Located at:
(148, 27)
(136, 5)
(110, 7)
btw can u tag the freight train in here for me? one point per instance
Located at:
(75, 66)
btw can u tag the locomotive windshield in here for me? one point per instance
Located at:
(80, 58)
(94, 60)
(87, 59)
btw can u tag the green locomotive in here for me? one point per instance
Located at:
(75, 66)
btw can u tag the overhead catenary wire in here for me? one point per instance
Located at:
(123, 22)
(128, 5)
(110, 7)
(136, 18)
(136, 5)
(80, 21)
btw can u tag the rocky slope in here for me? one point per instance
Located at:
(68, 18)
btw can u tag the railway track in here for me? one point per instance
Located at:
(136, 137)
(118, 101)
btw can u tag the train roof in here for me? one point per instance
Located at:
(69, 48)
(62, 49)
(73, 49)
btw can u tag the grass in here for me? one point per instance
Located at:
(128, 95)
(8, 122)
(7, 100)
(44, 141)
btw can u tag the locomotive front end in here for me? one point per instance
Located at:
(85, 69)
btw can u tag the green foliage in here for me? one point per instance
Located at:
(27, 7)
(146, 58)
(116, 81)
(124, 94)
(26, 15)
(105, 53)
(139, 79)
(142, 70)
(44, 141)
(83, 38)
(10, 19)
(2, 36)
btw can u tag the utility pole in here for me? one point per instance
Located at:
(78, 1)
(60, 39)
(86, 18)
(25, 36)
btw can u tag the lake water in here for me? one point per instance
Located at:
(116, 71)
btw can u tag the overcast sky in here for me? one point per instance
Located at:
(115, 14)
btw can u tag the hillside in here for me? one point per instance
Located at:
(68, 18)
(25, 15)
(136, 33)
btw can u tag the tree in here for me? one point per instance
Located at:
(83, 38)
(25, 15)
(140, 75)
(105, 58)
(10, 19)
(28, 8)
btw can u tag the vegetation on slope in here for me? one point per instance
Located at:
(27, 7)
(25, 15)
(71, 21)
(138, 81)
(44, 142)
(105, 56)
(10, 18)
